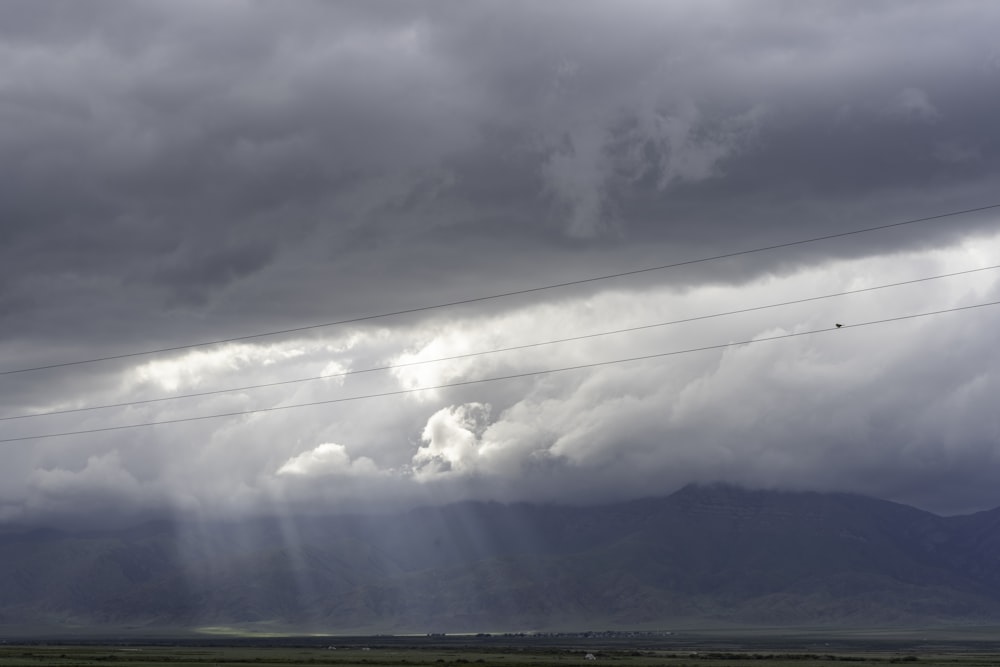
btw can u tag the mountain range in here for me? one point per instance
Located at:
(708, 554)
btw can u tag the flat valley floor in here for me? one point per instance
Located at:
(561, 652)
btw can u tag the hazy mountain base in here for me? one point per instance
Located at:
(714, 555)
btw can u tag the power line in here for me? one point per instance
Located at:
(501, 295)
(513, 376)
(494, 351)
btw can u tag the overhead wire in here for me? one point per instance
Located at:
(496, 350)
(490, 297)
(448, 385)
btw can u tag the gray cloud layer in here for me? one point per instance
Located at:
(179, 171)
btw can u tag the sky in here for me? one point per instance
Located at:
(175, 172)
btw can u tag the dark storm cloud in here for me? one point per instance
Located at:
(174, 149)
(176, 171)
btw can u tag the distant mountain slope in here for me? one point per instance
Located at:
(714, 553)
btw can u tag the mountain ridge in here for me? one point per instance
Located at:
(716, 553)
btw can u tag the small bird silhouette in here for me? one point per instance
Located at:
(839, 325)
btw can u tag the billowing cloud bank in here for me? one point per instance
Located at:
(895, 408)
(178, 172)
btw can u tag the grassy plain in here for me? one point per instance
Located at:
(357, 655)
